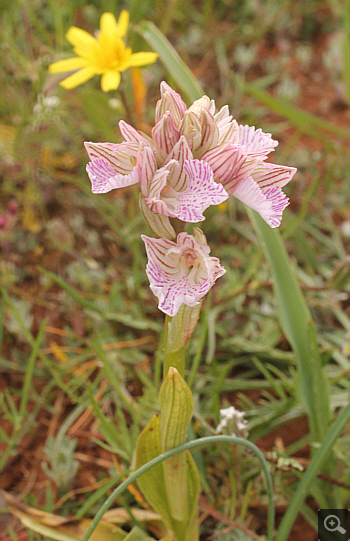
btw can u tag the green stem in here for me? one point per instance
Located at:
(188, 446)
(174, 349)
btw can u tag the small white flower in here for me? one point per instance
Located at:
(234, 421)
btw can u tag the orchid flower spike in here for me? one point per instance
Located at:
(195, 158)
(235, 153)
(180, 272)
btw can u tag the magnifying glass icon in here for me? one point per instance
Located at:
(332, 524)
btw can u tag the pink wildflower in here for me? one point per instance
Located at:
(181, 272)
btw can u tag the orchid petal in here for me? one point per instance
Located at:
(269, 203)
(170, 278)
(202, 103)
(170, 101)
(147, 167)
(228, 128)
(256, 141)
(229, 164)
(201, 192)
(131, 135)
(269, 174)
(180, 152)
(165, 134)
(210, 131)
(192, 130)
(121, 157)
(104, 179)
(153, 198)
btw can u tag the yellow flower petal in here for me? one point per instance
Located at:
(78, 78)
(68, 65)
(108, 23)
(123, 23)
(110, 80)
(79, 38)
(141, 59)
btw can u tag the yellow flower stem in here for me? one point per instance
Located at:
(129, 113)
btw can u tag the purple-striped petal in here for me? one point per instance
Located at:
(209, 132)
(269, 174)
(165, 134)
(192, 130)
(131, 135)
(180, 152)
(230, 165)
(180, 273)
(170, 101)
(121, 157)
(228, 128)
(104, 178)
(153, 197)
(268, 202)
(256, 141)
(187, 202)
(147, 167)
(202, 103)
(201, 192)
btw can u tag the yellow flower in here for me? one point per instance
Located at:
(106, 55)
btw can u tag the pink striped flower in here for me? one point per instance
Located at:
(115, 165)
(181, 272)
(235, 153)
(193, 154)
(183, 188)
(257, 184)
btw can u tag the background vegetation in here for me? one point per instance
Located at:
(80, 332)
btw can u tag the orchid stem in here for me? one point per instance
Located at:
(174, 349)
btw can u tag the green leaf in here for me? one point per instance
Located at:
(299, 329)
(152, 483)
(172, 61)
(176, 404)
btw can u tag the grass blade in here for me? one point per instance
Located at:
(346, 50)
(299, 329)
(170, 58)
(315, 466)
(305, 122)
